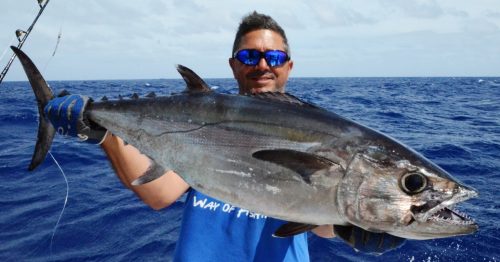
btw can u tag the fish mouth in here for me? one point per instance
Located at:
(452, 216)
(445, 212)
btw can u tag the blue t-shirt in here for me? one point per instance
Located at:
(215, 231)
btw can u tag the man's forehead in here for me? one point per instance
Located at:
(265, 38)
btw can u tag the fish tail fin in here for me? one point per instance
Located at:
(43, 95)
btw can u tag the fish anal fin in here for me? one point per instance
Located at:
(292, 228)
(345, 233)
(305, 164)
(194, 83)
(154, 172)
(365, 241)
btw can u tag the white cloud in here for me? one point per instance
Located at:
(144, 39)
(417, 8)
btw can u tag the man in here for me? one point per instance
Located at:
(221, 234)
(212, 230)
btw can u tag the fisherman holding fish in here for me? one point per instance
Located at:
(213, 230)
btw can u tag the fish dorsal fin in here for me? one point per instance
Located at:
(305, 164)
(292, 228)
(282, 97)
(194, 83)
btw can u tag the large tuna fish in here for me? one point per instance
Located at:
(276, 155)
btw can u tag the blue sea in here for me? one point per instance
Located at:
(455, 122)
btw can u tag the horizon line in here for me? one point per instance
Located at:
(290, 78)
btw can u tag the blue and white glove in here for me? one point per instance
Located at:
(368, 242)
(66, 113)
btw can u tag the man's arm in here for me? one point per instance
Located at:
(129, 164)
(325, 231)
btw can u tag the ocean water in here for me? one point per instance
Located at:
(453, 121)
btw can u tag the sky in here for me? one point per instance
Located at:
(116, 39)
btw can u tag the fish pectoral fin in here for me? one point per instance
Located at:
(292, 228)
(305, 164)
(367, 242)
(154, 171)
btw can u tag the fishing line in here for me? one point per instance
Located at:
(7, 48)
(52, 156)
(59, 35)
(65, 201)
(58, 40)
(55, 49)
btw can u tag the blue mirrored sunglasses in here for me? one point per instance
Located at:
(251, 57)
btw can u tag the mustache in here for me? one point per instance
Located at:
(260, 73)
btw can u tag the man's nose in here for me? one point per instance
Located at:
(262, 65)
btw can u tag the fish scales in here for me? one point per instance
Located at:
(201, 140)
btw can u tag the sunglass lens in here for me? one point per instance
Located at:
(275, 57)
(248, 57)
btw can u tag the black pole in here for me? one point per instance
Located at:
(21, 42)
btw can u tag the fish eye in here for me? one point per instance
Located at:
(413, 183)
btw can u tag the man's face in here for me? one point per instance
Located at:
(261, 77)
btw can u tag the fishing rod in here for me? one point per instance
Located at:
(21, 37)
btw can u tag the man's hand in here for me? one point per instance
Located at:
(66, 113)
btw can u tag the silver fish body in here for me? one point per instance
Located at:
(281, 157)
(290, 160)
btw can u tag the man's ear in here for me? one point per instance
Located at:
(232, 64)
